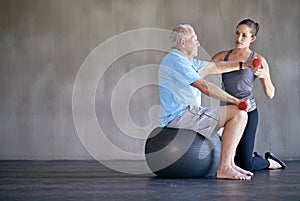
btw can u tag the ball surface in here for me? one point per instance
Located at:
(181, 153)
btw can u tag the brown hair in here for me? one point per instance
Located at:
(250, 23)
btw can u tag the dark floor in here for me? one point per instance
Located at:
(88, 180)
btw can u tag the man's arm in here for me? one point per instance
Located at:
(218, 67)
(213, 91)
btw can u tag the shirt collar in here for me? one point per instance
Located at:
(181, 55)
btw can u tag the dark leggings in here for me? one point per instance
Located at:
(244, 151)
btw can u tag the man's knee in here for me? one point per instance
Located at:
(233, 113)
(241, 114)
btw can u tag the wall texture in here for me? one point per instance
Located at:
(43, 44)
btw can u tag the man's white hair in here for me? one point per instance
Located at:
(179, 32)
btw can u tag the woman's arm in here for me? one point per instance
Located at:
(219, 56)
(263, 73)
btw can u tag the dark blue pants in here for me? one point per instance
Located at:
(244, 151)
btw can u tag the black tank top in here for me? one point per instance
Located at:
(239, 83)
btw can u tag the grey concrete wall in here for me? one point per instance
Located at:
(43, 44)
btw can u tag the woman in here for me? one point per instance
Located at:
(240, 84)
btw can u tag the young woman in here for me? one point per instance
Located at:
(240, 84)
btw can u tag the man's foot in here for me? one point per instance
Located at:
(231, 173)
(237, 168)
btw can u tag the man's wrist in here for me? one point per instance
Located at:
(233, 100)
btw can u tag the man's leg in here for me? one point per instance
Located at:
(234, 122)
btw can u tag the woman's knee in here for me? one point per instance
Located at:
(242, 163)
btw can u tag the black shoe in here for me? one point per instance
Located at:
(256, 154)
(269, 155)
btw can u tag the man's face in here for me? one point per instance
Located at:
(191, 44)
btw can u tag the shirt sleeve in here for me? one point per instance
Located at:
(186, 73)
(199, 64)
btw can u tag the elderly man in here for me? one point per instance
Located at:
(181, 82)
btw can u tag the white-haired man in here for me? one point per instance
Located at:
(180, 80)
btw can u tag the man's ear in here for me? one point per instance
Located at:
(182, 42)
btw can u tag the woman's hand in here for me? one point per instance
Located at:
(261, 72)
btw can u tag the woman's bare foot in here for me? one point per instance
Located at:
(231, 173)
(274, 165)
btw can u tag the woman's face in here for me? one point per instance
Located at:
(243, 37)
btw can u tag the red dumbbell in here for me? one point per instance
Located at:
(245, 105)
(256, 63)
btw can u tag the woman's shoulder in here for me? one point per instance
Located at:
(220, 56)
(258, 56)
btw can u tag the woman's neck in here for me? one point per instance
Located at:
(241, 51)
(240, 54)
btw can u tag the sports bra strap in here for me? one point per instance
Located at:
(251, 56)
(227, 55)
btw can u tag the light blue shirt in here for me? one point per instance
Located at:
(175, 76)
